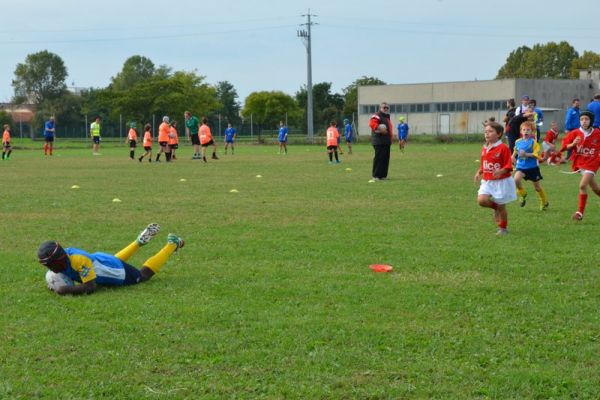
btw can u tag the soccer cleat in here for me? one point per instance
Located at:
(147, 234)
(502, 232)
(544, 207)
(172, 238)
(578, 216)
(337, 161)
(523, 200)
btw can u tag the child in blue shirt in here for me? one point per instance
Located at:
(525, 156)
(402, 133)
(230, 135)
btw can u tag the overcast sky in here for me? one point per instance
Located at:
(253, 44)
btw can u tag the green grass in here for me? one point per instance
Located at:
(272, 296)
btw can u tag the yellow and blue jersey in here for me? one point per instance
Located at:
(529, 145)
(83, 267)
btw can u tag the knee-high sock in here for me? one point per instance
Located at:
(582, 202)
(128, 251)
(522, 192)
(542, 196)
(156, 262)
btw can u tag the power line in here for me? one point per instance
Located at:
(153, 37)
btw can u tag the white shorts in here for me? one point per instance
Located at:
(587, 171)
(502, 190)
(546, 146)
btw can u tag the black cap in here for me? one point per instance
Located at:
(51, 254)
(588, 114)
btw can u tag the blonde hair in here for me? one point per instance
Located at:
(531, 125)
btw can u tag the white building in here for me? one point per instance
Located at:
(461, 107)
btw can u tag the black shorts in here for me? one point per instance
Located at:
(532, 174)
(163, 144)
(132, 143)
(332, 147)
(96, 139)
(148, 148)
(174, 146)
(133, 275)
(195, 140)
(209, 143)
(49, 139)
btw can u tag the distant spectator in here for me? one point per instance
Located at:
(510, 105)
(594, 107)
(539, 121)
(572, 117)
(524, 105)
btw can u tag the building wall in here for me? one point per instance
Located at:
(461, 107)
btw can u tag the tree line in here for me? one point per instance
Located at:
(142, 90)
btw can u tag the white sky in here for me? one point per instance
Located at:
(253, 44)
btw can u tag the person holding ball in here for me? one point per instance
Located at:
(381, 139)
(92, 269)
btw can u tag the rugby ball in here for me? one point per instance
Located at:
(382, 128)
(56, 280)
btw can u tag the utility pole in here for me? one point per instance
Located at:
(306, 38)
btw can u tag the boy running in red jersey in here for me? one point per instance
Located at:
(147, 143)
(333, 137)
(585, 141)
(497, 185)
(550, 154)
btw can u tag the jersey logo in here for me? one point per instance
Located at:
(85, 271)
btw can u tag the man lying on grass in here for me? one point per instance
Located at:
(104, 269)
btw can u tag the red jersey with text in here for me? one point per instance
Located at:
(586, 155)
(494, 158)
(551, 136)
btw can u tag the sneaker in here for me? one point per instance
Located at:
(523, 200)
(337, 161)
(214, 157)
(172, 238)
(147, 234)
(578, 216)
(502, 232)
(330, 162)
(140, 159)
(544, 207)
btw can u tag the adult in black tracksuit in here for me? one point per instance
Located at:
(381, 139)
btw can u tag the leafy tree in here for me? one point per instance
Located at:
(550, 60)
(41, 77)
(268, 108)
(227, 96)
(6, 118)
(67, 111)
(588, 60)
(351, 93)
(514, 63)
(327, 106)
(135, 69)
(161, 95)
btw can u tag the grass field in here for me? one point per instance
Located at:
(272, 297)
